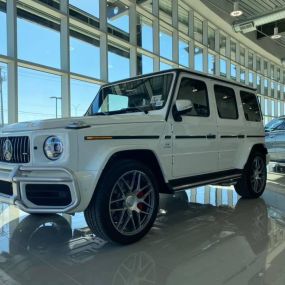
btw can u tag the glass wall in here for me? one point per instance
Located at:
(84, 54)
(46, 49)
(3, 29)
(165, 40)
(118, 19)
(211, 38)
(145, 64)
(211, 63)
(91, 7)
(223, 41)
(242, 75)
(233, 71)
(198, 59)
(198, 30)
(39, 95)
(183, 18)
(3, 94)
(145, 33)
(183, 53)
(147, 41)
(82, 94)
(118, 63)
(164, 66)
(242, 56)
(165, 10)
(223, 67)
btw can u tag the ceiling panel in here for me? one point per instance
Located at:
(250, 8)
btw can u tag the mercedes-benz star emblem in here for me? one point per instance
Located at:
(7, 150)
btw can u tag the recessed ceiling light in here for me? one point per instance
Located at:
(276, 34)
(116, 10)
(236, 12)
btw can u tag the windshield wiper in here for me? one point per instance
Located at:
(100, 114)
(131, 109)
(122, 111)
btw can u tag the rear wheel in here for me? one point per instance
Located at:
(125, 204)
(253, 181)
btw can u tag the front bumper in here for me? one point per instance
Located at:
(22, 177)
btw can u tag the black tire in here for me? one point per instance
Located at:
(116, 189)
(253, 181)
(251, 217)
(43, 233)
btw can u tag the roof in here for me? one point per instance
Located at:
(180, 70)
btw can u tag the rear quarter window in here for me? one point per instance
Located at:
(250, 106)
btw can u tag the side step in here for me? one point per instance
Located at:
(229, 177)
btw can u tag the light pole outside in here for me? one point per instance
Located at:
(1, 96)
(56, 98)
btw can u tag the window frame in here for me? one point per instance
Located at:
(206, 93)
(235, 99)
(257, 102)
(281, 125)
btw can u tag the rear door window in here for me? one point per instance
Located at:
(250, 106)
(226, 102)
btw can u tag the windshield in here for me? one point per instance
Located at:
(141, 95)
(274, 124)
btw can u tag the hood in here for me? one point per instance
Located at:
(81, 122)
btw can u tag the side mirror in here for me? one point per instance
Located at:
(181, 107)
(184, 106)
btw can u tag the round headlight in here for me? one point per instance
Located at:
(53, 148)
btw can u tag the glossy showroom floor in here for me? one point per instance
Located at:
(202, 236)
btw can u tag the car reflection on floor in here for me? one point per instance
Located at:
(223, 241)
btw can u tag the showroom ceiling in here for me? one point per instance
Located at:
(255, 9)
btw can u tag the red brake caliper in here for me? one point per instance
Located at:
(140, 205)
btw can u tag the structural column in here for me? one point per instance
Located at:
(175, 35)
(133, 39)
(103, 41)
(65, 59)
(156, 38)
(217, 49)
(191, 44)
(12, 65)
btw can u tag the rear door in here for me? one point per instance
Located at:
(231, 129)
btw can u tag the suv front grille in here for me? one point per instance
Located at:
(15, 149)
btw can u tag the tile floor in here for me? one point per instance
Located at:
(201, 236)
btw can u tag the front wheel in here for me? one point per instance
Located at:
(253, 181)
(125, 203)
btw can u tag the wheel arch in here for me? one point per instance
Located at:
(260, 147)
(145, 156)
(246, 151)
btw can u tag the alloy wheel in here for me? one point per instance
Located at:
(258, 174)
(131, 203)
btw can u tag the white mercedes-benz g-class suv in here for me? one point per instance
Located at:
(157, 133)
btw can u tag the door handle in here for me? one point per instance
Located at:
(211, 136)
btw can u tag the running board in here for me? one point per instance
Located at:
(201, 180)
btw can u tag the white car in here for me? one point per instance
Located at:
(157, 133)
